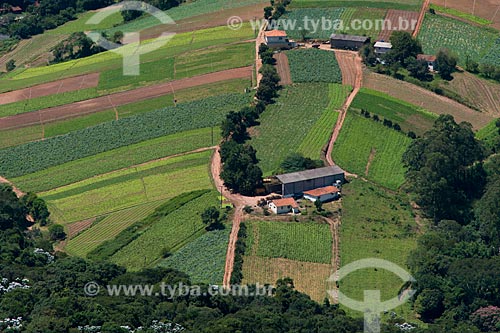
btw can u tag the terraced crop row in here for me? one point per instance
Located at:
(312, 65)
(40, 155)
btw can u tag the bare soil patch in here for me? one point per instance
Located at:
(77, 227)
(110, 101)
(370, 160)
(487, 9)
(426, 99)
(51, 88)
(283, 68)
(392, 20)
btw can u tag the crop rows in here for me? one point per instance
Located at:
(355, 143)
(463, 39)
(285, 124)
(203, 259)
(492, 56)
(282, 240)
(36, 156)
(168, 234)
(314, 66)
(108, 228)
(318, 136)
(159, 180)
(387, 4)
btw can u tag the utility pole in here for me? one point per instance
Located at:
(473, 7)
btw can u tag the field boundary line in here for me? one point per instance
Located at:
(423, 10)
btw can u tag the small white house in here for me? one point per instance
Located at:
(382, 47)
(430, 59)
(284, 206)
(322, 194)
(278, 39)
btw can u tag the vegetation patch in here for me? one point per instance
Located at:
(358, 137)
(389, 4)
(457, 13)
(314, 65)
(204, 259)
(166, 235)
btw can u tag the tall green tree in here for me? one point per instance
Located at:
(403, 46)
(446, 62)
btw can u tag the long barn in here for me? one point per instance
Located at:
(298, 182)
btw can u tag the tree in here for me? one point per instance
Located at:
(446, 62)
(268, 12)
(403, 46)
(429, 304)
(56, 232)
(488, 213)
(319, 205)
(417, 68)
(37, 208)
(368, 55)
(471, 65)
(297, 162)
(443, 169)
(211, 218)
(117, 37)
(10, 65)
(12, 212)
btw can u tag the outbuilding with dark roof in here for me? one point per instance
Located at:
(348, 42)
(297, 182)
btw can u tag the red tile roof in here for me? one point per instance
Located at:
(286, 202)
(322, 191)
(426, 57)
(275, 33)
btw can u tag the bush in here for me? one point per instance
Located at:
(56, 232)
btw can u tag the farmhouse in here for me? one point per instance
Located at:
(348, 42)
(284, 206)
(277, 39)
(322, 194)
(382, 47)
(431, 60)
(297, 182)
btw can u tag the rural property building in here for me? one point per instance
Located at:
(348, 42)
(322, 194)
(297, 183)
(284, 206)
(382, 47)
(278, 39)
(431, 60)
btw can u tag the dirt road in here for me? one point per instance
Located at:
(110, 101)
(51, 88)
(17, 191)
(425, 8)
(350, 62)
(283, 68)
(334, 229)
(258, 62)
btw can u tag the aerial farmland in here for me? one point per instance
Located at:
(321, 149)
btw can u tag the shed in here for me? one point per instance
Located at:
(297, 182)
(348, 42)
(278, 39)
(284, 206)
(322, 194)
(382, 47)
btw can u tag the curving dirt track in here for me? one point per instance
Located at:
(352, 73)
(51, 88)
(283, 68)
(425, 7)
(17, 191)
(110, 101)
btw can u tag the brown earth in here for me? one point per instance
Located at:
(110, 101)
(51, 88)
(426, 99)
(425, 8)
(487, 9)
(77, 227)
(392, 20)
(283, 68)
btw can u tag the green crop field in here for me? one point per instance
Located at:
(185, 11)
(10, 138)
(44, 102)
(80, 24)
(491, 57)
(351, 17)
(457, 13)
(408, 116)
(100, 195)
(108, 228)
(463, 39)
(285, 124)
(375, 224)
(317, 138)
(387, 4)
(167, 235)
(18, 160)
(124, 157)
(309, 242)
(179, 44)
(314, 66)
(360, 138)
(203, 259)
(302, 28)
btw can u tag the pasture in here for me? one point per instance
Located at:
(203, 259)
(370, 149)
(386, 4)
(408, 116)
(463, 39)
(313, 65)
(285, 124)
(166, 235)
(375, 224)
(129, 187)
(309, 242)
